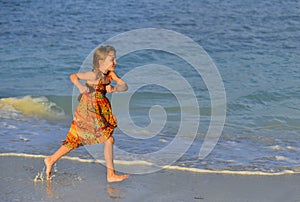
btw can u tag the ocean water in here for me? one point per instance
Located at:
(254, 45)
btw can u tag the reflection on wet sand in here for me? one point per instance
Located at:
(113, 191)
(49, 190)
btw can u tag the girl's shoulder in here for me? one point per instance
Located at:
(88, 76)
(92, 75)
(112, 75)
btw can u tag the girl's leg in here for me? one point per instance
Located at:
(108, 155)
(63, 150)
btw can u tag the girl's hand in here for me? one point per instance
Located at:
(84, 89)
(110, 89)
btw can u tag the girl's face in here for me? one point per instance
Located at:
(111, 59)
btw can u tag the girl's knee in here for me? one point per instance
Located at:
(111, 140)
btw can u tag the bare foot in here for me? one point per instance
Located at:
(116, 178)
(48, 168)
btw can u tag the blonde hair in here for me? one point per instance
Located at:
(100, 54)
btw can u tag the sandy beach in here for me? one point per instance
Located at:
(213, 100)
(77, 181)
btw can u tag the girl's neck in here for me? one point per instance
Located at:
(104, 71)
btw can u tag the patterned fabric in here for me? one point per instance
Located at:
(93, 121)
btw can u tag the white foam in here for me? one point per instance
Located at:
(231, 172)
(120, 162)
(131, 163)
(276, 147)
(283, 158)
(163, 140)
(23, 155)
(279, 148)
(6, 125)
(292, 148)
(145, 163)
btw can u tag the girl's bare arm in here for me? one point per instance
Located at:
(121, 85)
(87, 76)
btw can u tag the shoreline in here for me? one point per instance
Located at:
(144, 163)
(76, 181)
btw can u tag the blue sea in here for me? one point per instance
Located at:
(255, 46)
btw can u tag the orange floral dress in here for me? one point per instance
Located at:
(93, 121)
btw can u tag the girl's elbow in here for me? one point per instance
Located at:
(121, 87)
(73, 77)
(125, 87)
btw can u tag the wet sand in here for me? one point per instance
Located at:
(77, 181)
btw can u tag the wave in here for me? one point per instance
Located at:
(167, 167)
(58, 106)
(264, 97)
(29, 106)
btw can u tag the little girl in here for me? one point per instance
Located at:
(93, 121)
